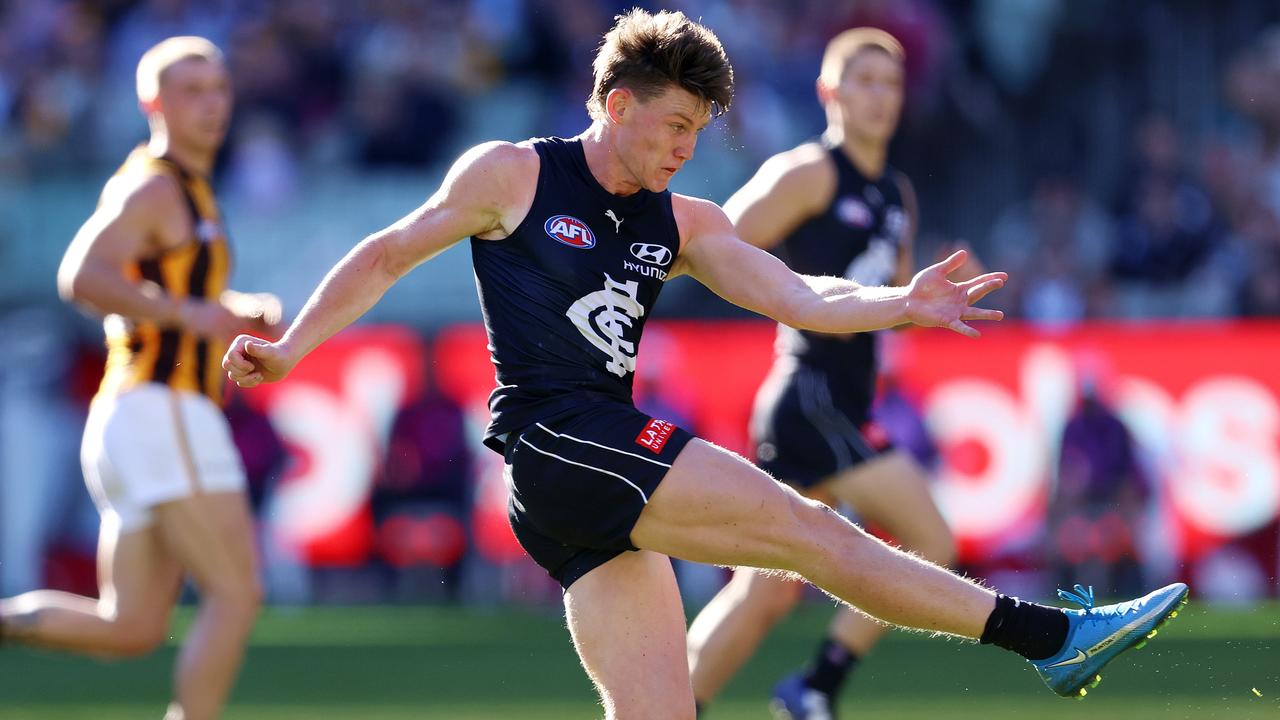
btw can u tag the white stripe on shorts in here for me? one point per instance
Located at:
(643, 497)
(606, 447)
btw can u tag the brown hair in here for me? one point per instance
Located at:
(844, 46)
(645, 53)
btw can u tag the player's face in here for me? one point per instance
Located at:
(658, 136)
(870, 95)
(195, 99)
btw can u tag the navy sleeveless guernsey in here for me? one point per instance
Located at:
(566, 295)
(857, 237)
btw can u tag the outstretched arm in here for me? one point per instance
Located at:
(751, 278)
(469, 202)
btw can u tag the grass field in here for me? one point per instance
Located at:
(399, 663)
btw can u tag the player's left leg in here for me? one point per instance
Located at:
(714, 507)
(627, 624)
(889, 492)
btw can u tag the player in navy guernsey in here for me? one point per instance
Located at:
(832, 207)
(572, 240)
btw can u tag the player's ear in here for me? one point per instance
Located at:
(824, 90)
(617, 103)
(150, 105)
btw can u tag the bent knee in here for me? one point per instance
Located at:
(243, 597)
(814, 526)
(137, 636)
(771, 595)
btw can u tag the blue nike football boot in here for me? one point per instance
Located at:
(793, 700)
(1096, 635)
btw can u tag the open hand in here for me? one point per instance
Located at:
(935, 301)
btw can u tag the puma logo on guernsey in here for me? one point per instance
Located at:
(617, 223)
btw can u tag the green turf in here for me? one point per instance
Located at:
(400, 663)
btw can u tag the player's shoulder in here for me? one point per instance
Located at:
(697, 216)
(802, 174)
(148, 192)
(501, 155)
(690, 204)
(808, 162)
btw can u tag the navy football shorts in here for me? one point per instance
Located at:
(579, 482)
(804, 432)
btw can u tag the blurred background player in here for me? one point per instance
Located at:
(832, 207)
(157, 453)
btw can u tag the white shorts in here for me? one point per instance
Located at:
(150, 445)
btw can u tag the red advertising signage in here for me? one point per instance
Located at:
(1202, 402)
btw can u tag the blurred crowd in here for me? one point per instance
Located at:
(1115, 167)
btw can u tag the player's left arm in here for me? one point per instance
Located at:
(753, 279)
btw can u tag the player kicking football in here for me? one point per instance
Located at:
(571, 242)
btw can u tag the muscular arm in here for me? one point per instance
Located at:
(746, 276)
(128, 224)
(787, 190)
(473, 200)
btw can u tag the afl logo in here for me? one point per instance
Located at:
(571, 231)
(656, 254)
(855, 213)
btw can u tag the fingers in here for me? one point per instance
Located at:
(960, 327)
(235, 359)
(953, 263)
(983, 285)
(982, 314)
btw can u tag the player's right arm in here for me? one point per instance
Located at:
(137, 217)
(788, 189)
(481, 195)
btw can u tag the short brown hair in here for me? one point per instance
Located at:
(165, 55)
(849, 43)
(645, 53)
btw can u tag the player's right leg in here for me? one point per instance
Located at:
(627, 624)
(211, 535)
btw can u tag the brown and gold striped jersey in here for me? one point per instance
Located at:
(139, 352)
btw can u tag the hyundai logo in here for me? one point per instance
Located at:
(657, 254)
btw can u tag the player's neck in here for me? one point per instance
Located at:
(192, 159)
(868, 156)
(605, 163)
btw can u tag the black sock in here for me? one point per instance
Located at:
(1033, 631)
(831, 667)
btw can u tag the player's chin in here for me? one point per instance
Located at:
(661, 183)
